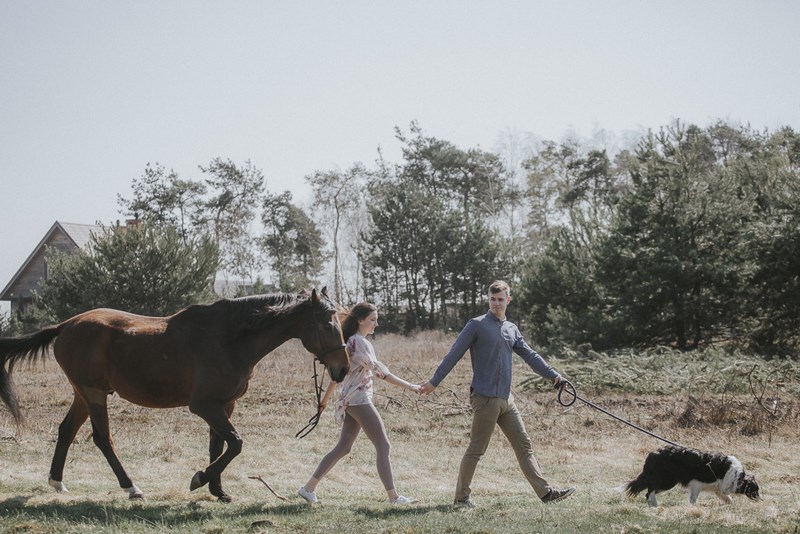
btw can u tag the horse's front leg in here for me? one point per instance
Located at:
(215, 445)
(218, 419)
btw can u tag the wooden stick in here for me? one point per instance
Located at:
(258, 477)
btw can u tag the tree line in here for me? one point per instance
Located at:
(687, 236)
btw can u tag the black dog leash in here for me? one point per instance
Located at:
(567, 385)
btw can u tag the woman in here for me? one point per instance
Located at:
(354, 409)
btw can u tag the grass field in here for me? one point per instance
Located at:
(714, 401)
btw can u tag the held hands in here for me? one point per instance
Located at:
(426, 388)
(414, 387)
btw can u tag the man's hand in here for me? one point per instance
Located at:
(426, 388)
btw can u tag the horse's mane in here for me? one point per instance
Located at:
(259, 311)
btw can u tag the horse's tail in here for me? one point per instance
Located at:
(16, 349)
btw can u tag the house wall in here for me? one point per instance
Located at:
(20, 293)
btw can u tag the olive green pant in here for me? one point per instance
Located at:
(486, 413)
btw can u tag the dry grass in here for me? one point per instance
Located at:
(162, 449)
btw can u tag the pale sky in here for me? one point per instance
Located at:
(91, 91)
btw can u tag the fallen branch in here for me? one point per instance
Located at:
(258, 477)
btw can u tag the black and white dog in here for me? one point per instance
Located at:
(697, 470)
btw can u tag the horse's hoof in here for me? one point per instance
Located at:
(215, 488)
(135, 493)
(58, 485)
(198, 481)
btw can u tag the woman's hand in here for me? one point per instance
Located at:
(323, 402)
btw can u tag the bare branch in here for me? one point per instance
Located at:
(260, 479)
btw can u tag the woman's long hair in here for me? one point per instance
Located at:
(360, 311)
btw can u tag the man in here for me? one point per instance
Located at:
(491, 339)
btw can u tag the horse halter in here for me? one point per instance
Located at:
(321, 357)
(324, 351)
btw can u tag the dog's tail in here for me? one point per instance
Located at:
(634, 487)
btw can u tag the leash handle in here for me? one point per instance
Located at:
(566, 385)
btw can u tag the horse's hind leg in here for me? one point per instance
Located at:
(67, 431)
(101, 434)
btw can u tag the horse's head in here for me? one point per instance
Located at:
(324, 336)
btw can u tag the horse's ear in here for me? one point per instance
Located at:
(324, 291)
(314, 296)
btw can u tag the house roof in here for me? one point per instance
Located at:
(79, 234)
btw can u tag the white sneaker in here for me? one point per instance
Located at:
(309, 496)
(403, 500)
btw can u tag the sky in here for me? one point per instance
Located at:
(93, 91)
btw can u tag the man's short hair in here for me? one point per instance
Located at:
(498, 286)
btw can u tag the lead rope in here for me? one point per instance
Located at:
(567, 385)
(312, 422)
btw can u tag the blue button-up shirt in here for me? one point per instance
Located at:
(490, 342)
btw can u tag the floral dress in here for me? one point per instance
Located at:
(356, 388)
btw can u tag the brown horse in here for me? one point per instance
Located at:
(202, 357)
